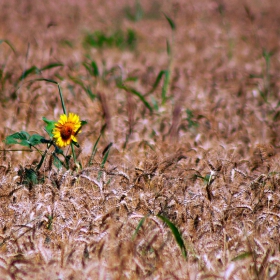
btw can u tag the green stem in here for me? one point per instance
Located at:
(65, 112)
(42, 160)
(73, 152)
(61, 99)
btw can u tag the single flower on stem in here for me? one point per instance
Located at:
(66, 129)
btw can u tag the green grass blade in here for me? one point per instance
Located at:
(170, 21)
(242, 256)
(92, 68)
(138, 227)
(52, 65)
(165, 86)
(159, 76)
(106, 153)
(94, 150)
(59, 90)
(168, 48)
(138, 94)
(77, 81)
(104, 160)
(9, 44)
(29, 71)
(176, 235)
(87, 89)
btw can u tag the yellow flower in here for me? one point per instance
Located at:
(66, 129)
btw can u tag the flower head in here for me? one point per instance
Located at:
(66, 129)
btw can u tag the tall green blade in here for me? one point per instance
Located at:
(176, 234)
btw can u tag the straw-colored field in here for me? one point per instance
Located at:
(177, 175)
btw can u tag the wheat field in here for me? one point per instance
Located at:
(178, 172)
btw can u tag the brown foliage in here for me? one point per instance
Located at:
(213, 170)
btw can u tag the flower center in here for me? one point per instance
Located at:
(66, 131)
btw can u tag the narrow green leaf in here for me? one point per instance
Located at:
(50, 221)
(9, 44)
(159, 76)
(170, 21)
(138, 227)
(252, 76)
(242, 256)
(59, 90)
(176, 235)
(50, 126)
(43, 79)
(92, 68)
(106, 155)
(52, 65)
(94, 150)
(95, 69)
(89, 92)
(165, 86)
(104, 161)
(42, 160)
(131, 79)
(28, 72)
(67, 161)
(141, 97)
(76, 144)
(87, 89)
(168, 47)
(77, 81)
(155, 103)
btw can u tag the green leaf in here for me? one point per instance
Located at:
(50, 126)
(36, 139)
(20, 138)
(171, 22)
(242, 256)
(176, 234)
(76, 144)
(29, 176)
(50, 221)
(8, 43)
(89, 92)
(168, 48)
(141, 97)
(83, 122)
(155, 103)
(159, 76)
(59, 90)
(92, 68)
(95, 71)
(52, 65)
(94, 150)
(87, 89)
(56, 161)
(31, 70)
(58, 151)
(67, 161)
(104, 160)
(138, 227)
(165, 86)
(23, 138)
